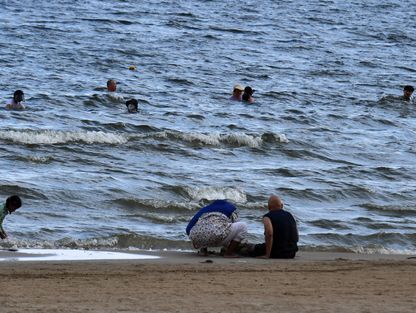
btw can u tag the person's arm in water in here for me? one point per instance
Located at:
(268, 236)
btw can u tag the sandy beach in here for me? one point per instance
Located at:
(184, 282)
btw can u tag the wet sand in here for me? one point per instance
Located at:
(184, 282)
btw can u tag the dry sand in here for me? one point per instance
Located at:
(184, 282)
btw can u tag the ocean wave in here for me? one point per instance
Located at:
(214, 193)
(392, 209)
(117, 241)
(358, 249)
(383, 250)
(156, 205)
(217, 139)
(60, 137)
(51, 137)
(37, 159)
(375, 241)
(24, 192)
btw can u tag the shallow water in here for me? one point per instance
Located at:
(93, 176)
(41, 255)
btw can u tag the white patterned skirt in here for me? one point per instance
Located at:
(210, 230)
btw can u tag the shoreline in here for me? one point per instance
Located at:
(185, 282)
(179, 257)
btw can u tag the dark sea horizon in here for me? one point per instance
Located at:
(328, 132)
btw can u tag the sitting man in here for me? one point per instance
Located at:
(280, 233)
(215, 226)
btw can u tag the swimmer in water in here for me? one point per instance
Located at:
(407, 92)
(237, 93)
(17, 103)
(111, 85)
(132, 105)
(248, 95)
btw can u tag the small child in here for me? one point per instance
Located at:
(132, 105)
(17, 103)
(11, 205)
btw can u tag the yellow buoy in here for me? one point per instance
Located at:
(132, 67)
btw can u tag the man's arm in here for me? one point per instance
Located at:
(268, 236)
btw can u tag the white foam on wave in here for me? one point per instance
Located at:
(241, 139)
(383, 250)
(39, 159)
(210, 139)
(59, 137)
(74, 255)
(214, 193)
(216, 139)
(281, 138)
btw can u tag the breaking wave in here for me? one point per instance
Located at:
(59, 137)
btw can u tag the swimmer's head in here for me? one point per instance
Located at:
(407, 92)
(18, 96)
(13, 203)
(111, 85)
(249, 91)
(132, 105)
(238, 89)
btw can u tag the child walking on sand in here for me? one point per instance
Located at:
(11, 205)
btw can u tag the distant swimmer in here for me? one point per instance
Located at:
(237, 93)
(17, 103)
(407, 93)
(132, 105)
(111, 85)
(407, 97)
(248, 94)
(113, 96)
(11, 205)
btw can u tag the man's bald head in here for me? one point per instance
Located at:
(275, 203)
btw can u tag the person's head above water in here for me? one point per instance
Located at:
(18, 96)
(248, 94)
(132, 105)
(249, 91)
(13, 203)
(111, 85)
(407, 92)
(275, 203)
(237, 92)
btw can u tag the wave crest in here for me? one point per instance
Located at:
(214, 193)
(59, 137)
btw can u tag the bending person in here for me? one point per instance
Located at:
(11, 205)
(280, 233)
(215, 226)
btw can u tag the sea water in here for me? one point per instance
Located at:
(320, 134)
